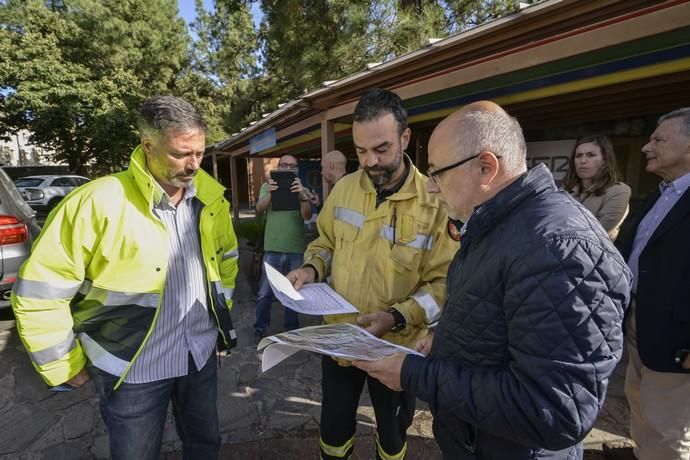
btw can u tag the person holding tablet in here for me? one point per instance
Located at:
(286, 203)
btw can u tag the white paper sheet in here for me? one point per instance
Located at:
(312, 299)
(342, 340)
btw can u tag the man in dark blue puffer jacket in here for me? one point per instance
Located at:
(519, 364)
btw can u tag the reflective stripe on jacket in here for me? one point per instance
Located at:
(96, 275)
(393, 256)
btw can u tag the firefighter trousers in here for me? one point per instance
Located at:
(342, 387)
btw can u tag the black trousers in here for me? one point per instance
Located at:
(342, 387)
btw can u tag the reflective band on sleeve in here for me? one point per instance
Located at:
(337, 451)
(349, 216)
(233, 334)
(50, 354)
(233, 254)
(429, 305)
(326, 256)
(228, 293)
(111, 298)
(45, 290)
(421, 242)
(101, 358)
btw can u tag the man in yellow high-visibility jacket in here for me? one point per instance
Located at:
(130, 284)
(383, 245)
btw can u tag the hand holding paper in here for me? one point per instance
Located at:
(342, 340)
(312, 299)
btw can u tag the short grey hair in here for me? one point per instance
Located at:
(683, 113)
(160, 114)
(498, 133)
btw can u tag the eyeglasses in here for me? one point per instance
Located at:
(287, 165)
(434, 175)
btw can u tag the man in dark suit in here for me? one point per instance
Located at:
(656, 244)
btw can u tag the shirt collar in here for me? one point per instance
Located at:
(162, 200)
(678, 186)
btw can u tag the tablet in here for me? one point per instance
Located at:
(283, 199)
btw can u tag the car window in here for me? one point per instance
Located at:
(28, 182)
(63, 182)
(81, 180)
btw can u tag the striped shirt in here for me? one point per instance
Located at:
(184, 325)
(670, 194)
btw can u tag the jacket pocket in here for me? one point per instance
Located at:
(405, 258)
(403, 273)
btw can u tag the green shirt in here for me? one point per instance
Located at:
(284, 229)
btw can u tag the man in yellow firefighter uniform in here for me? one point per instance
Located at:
(130, 284)
(382, 245)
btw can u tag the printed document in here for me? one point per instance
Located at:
(312, 299)
(342, 340)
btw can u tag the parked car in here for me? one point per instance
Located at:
(18, 228)
(43, 193)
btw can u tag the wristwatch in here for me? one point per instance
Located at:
(400, 322)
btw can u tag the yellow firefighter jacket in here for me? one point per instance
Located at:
(393, 256)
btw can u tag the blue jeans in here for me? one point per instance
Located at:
(284, 262)
(135, 413)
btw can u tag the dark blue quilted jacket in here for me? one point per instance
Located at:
(531, 331)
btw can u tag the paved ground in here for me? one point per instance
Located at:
(263, 416)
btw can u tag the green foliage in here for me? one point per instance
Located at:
(74, 75)
(306, 42)
(465, 14)
(223, 65)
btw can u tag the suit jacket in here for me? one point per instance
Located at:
(662, 312)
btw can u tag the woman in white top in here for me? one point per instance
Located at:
(592, 179)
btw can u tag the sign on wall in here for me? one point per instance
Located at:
(262, 141)
(554, 154)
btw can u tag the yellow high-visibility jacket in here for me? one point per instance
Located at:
(393, 256)
(94, 282)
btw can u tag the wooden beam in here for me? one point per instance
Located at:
(234, 189)
(327, 144)
(214, 160)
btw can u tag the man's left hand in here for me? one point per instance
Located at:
(377, 323)
(386, 370)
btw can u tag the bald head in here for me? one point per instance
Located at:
(483, 126)
(333, 166)
(473, 154)
(336, 157)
